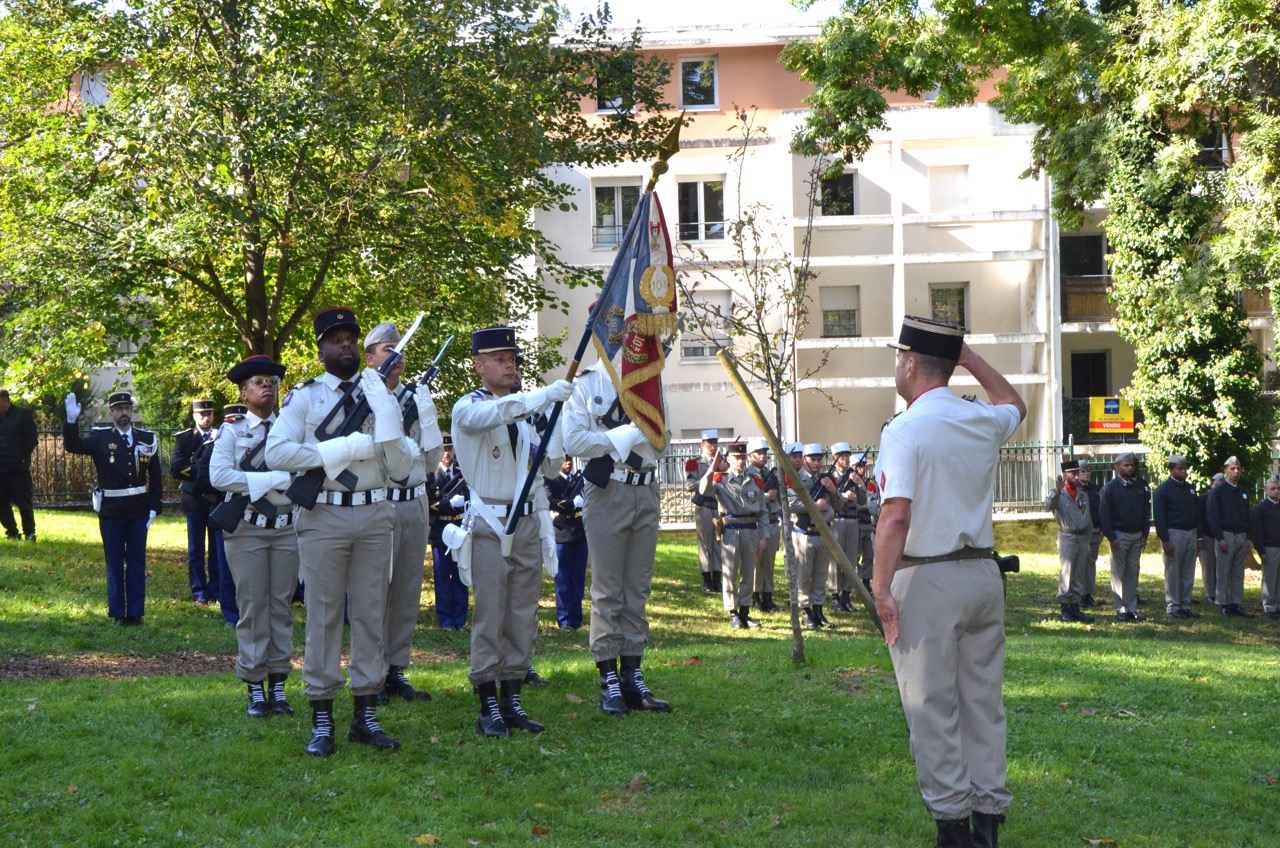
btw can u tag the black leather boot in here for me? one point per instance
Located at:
(398, 686)
(954, 833)
(258, 706)
(717, 581)
(490, 722)
(512, 711)
(634, 691)
(707, 585)
(817, 614)
(1080, 616)
(275, 694)
(321, 744)
(767, 604)
(611, 700)
(866, 581)
(364, 725)
(985, 826)
(807, 619)
(744, 616)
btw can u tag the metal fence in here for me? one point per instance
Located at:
(64, 479)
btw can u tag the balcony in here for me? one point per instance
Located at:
(1086, 299)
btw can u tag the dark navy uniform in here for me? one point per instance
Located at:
(201, 538)
(128, 466)
(565, 494)
(447, 494)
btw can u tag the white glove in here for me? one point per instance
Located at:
(624, 438)
(426, 403)
(73, 407)
(152, 516)
(547, 532)
(261, 482)
(429, 437)
(388, 423)
(578, 502)
(457, 501)
(558, 392)
(337, 454)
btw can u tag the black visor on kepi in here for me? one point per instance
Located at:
(931, 338)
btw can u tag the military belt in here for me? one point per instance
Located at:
(631, 478)
(408, 494)
(372, 496)
(502, 509)
(964, 553)
(257, 519)
(124, 493)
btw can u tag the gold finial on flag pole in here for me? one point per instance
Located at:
(667, 148)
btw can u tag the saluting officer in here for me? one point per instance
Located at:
(447, 499)
(740, 494)
(128, 499)
(408, 499)
(495, 442)
(345, 540)
(1070, 507)
(758, 456)
(200, 536)
(704, 509)
(621, 514)
(847, 529)
(564, 492)
(812, 555)
(262, 552)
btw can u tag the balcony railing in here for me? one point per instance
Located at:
(1087, 298)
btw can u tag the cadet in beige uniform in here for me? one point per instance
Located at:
(704, 511)
(812, 556)
(758, 456)
(937, 586)
(409, 540)
(620, 516)
(1070, 507)
(345, 540)
(740, 493)
(847, 531)
(495, 443)
(262, 552)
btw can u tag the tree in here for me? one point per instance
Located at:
(258, 160)
(1140, 104)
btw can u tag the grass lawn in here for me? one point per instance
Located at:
(1160, 734)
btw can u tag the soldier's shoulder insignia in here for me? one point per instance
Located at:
(691, 465)
(970, 398)
(759, 481)
(287, 398)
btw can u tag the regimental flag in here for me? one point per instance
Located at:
(635, 311)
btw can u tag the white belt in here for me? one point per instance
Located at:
(408, 494)
(372, 496)
(124, 493)
(500, 509)
(257, 519)
(632, 478)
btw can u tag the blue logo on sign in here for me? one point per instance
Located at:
(1111, 406)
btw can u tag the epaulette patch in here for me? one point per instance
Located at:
(970, 398)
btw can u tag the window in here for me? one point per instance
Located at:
(698, 84)
(948, 188)
(702, 343)
(1212, 155)
(615, 204)
(839, 311)
(93, 89)
(1082, 256)
(614, 89)
(701, 209)
(949, 302)
(838, 197)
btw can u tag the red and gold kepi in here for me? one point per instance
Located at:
(332, 318)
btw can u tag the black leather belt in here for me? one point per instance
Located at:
(964, 553)
(741, 526)
(805, 532)
(449, 516)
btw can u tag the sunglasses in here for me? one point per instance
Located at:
(263, 381)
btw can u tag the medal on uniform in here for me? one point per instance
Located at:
(112, 459)
(497, 452)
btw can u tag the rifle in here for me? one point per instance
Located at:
(426, 378)
(305, 490)
(226, 515)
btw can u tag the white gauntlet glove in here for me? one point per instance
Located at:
(429, 436)
(547, 533)
(388, 423)
(457, 501)
(261, 482)
(151, 518)
(578, 501)
(73, 407)
(337, 454)
(624, 439)
(558, 392)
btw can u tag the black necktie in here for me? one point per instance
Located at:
(348, 396)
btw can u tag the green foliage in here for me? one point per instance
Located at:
(258, 161)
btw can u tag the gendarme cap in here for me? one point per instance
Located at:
(493, 339)
(202, 405)
(119, 399)
(253, 366)
(932, 338)
(232, 410)
(330, 319)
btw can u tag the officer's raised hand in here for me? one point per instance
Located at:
(73, 407)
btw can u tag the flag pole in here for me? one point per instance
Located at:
(668, 147)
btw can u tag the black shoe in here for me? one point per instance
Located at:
(866, 582)
(275, 695)
(767, 604)
(634, 691)
(1191, 613)
(846, 605)
(1071, 614)
(531, 678)
(756, 602)
(744, 617)
(1236, 611)
(707, 585)
(321, 744)
(734, 621)
(985, 829)
(611, 698)
(1180, 614)
(490, 721)
(1133, 616)
(807, 619)
(132, 621)
(953, 833)
(398, 686)
(512, 711)
(1087, 602)
(365, 728)
(822, 619)
(258, 706)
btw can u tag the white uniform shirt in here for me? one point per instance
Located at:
(941, 455)
(230, 443)
(482, 444)
(584, 431)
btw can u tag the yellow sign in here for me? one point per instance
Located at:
(1110, 415)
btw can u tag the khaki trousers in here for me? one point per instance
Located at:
(1180, 570)
(504, 614)
(404, 595)
(621, 523)
(1073, 560)
(949, 661)
(264, 563)
(768, 561)
(811, 569)
(708, 544)
(840, 579)
(346, 561)
(1230, 588)
(1126, 552)
(738, 554)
